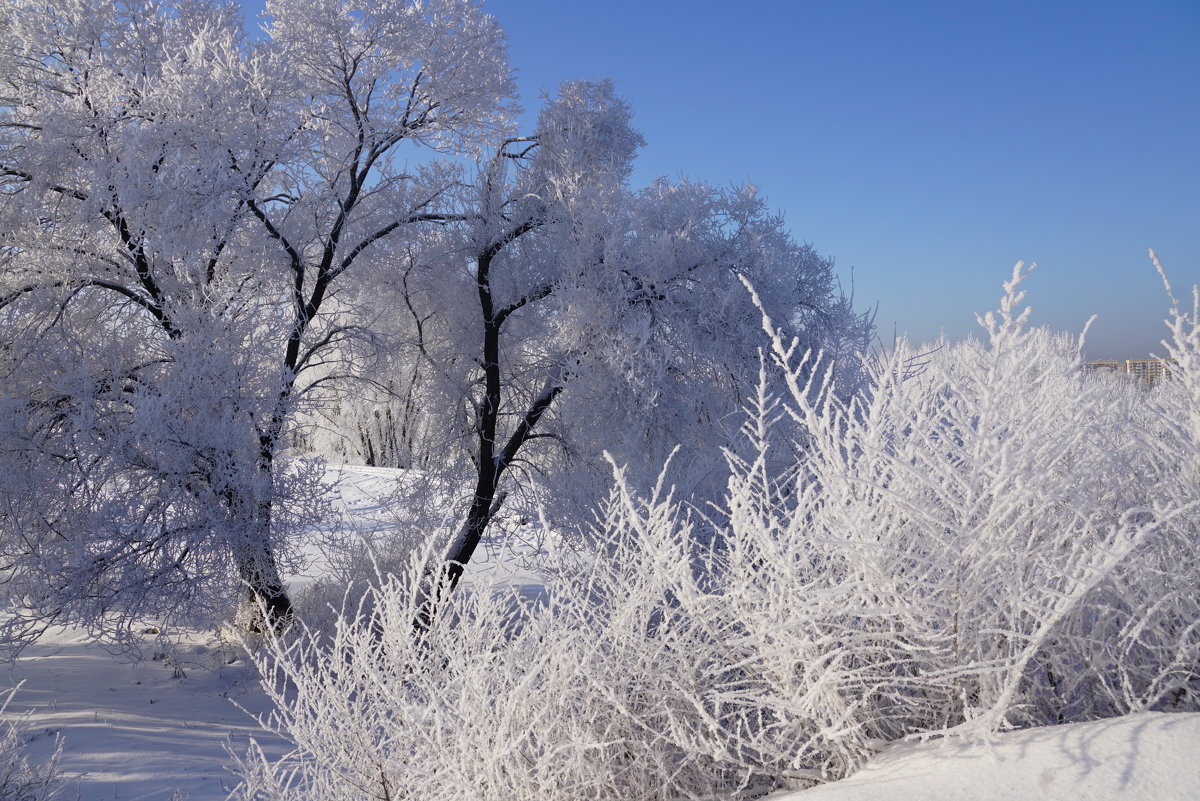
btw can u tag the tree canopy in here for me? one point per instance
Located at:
(203, 232)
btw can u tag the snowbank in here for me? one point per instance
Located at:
(1145, 757)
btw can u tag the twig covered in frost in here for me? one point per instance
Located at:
(20, 779)
(961, 549)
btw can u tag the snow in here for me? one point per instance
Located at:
(159, 730)
(152, 730)
(367, 499)
(143, 730)
(1144, 757)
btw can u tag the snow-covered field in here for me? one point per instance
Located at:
(146, 730)
(160, 729)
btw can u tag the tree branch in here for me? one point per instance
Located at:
(531, 297)
(28, 178)
(524, 430)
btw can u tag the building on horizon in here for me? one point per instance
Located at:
(1104, 366)
(1149, 371)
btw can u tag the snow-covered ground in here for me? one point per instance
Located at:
(158, 730)
(146, 730)
(1146, 757)
(154, 729)
(367, 500)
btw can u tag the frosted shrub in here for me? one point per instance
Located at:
(585, 695)
(1151, 606)
(985, 508)
(20, 779)
(973, 544)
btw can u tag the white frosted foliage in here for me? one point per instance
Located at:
(960, 549)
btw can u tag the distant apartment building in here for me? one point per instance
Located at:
(1104, 366)
(1149, 371)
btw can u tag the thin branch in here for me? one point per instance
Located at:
(387, 229)
(28, 178)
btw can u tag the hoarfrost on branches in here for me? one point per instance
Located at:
(562, 313)
(182, 208)
(964, 546)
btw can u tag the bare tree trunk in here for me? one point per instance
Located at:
(493, 459)
(484, 505)
(258, 570)
(255, 555)
(458, 555)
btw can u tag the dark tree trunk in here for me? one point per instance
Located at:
(255, 555)
(493, 459)
(460, 552)
(271, 605)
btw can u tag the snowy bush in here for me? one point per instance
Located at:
(989, 509)
(986, 538)
(1151, 605)
(20, 779)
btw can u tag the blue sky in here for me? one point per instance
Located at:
(927, 145)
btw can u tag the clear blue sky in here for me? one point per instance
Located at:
(928, 145)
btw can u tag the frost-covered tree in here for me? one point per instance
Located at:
(180, 210)
(565, 314)
(202, 232)
(962, 549)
